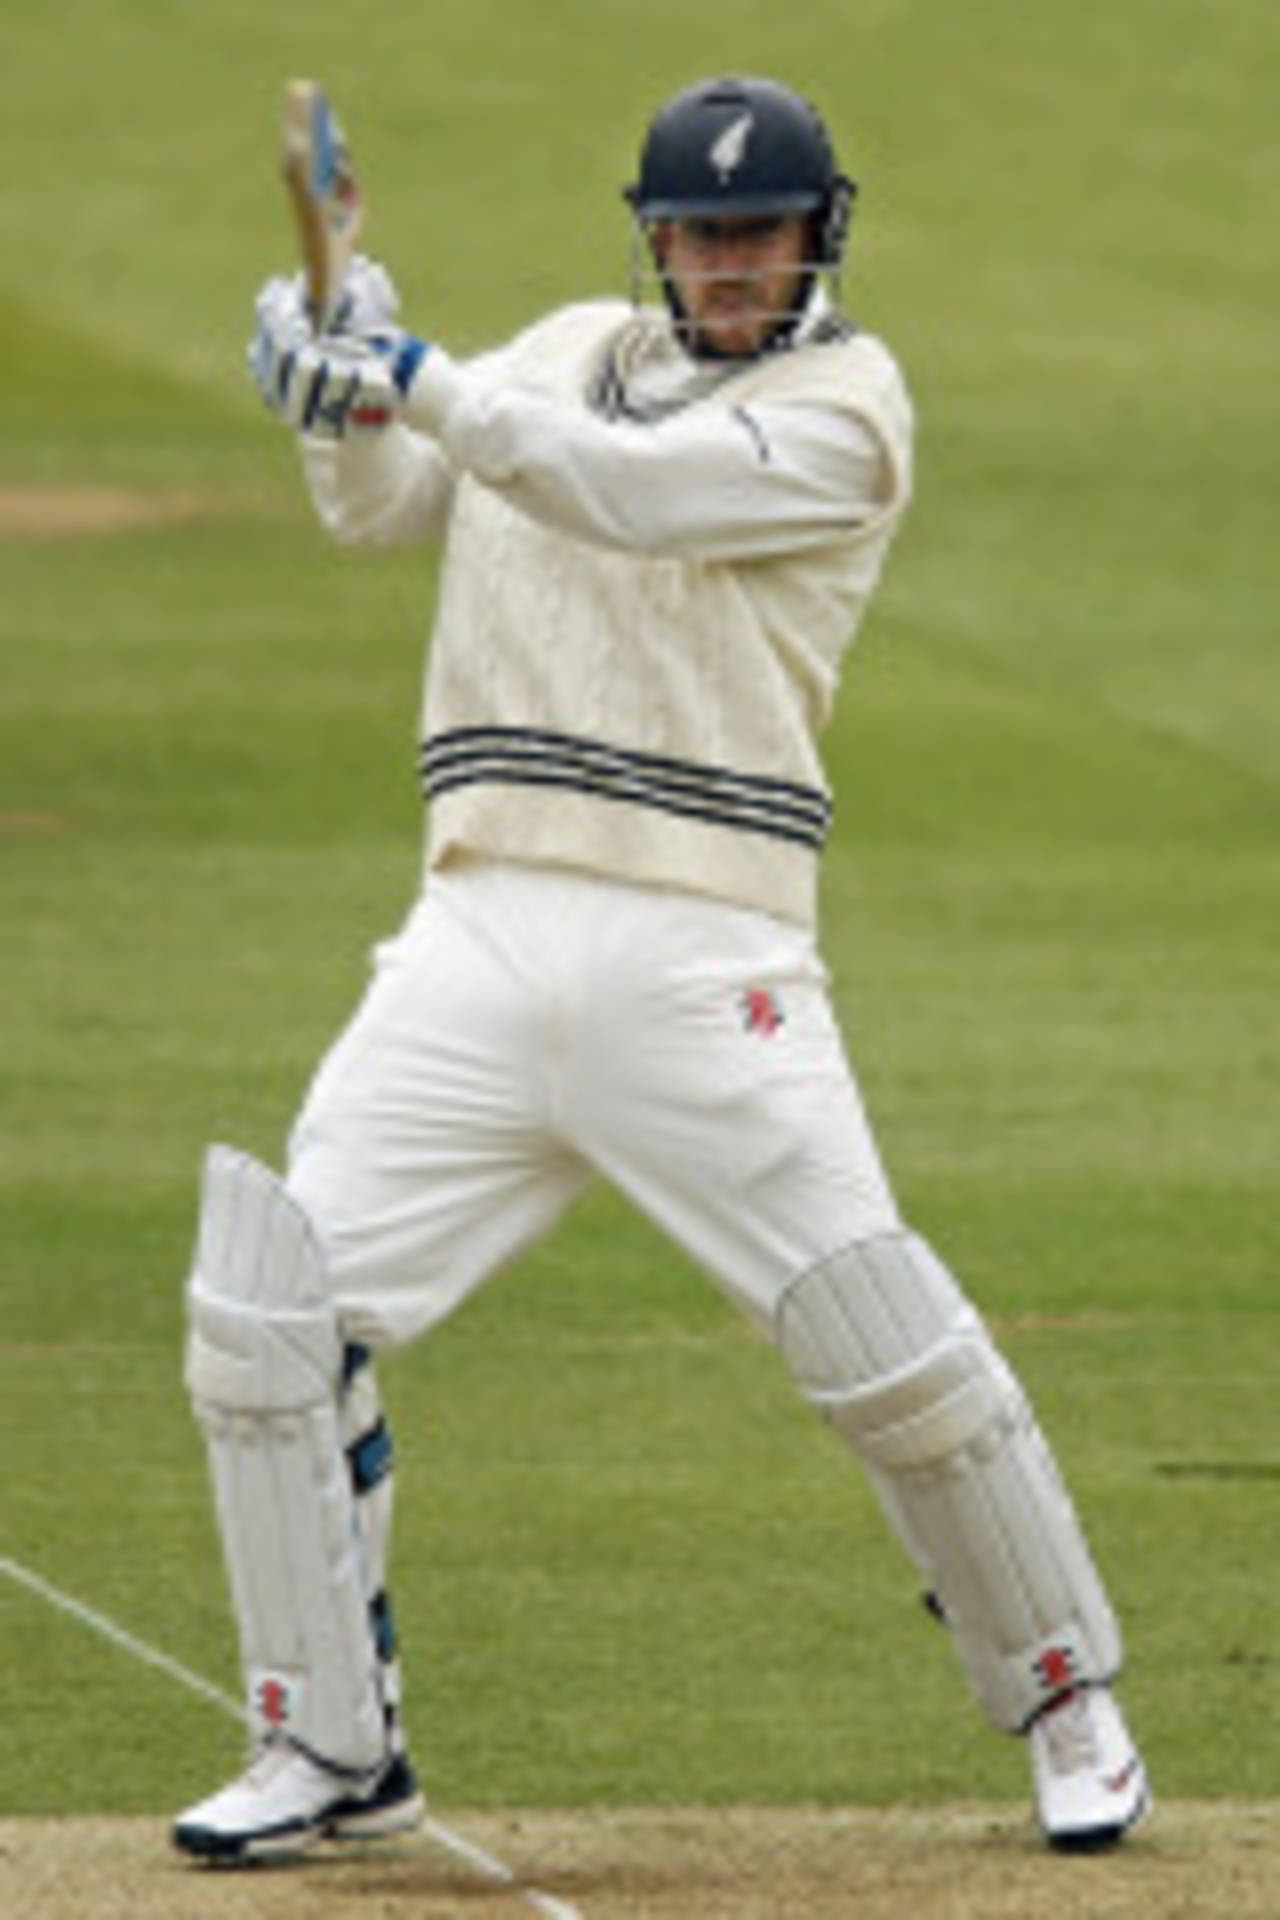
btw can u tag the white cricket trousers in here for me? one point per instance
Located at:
(532, 1028)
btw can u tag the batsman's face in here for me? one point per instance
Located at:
(735, 278)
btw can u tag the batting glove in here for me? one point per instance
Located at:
(368, 301)
(328, 384)
(345, 377)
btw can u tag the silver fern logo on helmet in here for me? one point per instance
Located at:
(729, 148)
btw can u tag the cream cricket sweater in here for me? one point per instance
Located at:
(652, 572)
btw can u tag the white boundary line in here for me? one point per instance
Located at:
(455, 1843)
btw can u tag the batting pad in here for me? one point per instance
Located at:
(264, 1362)
(881, 1339)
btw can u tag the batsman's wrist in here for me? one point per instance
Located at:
(427, 381)
(406, 362)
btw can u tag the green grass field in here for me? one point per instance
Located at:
(631, 1570)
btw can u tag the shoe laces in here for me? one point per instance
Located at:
(1069, 1734)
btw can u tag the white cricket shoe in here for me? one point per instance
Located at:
(1090, 1783)
(286, 1802)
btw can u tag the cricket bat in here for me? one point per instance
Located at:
(324, 194)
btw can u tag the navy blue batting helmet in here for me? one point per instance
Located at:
(743, 148)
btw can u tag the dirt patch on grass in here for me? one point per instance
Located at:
(1189, 1862)
(53, 513)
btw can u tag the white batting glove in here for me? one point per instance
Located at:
(368, 301)
(316, 383)
(333, 382)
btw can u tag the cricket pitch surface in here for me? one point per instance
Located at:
(1189, 1861)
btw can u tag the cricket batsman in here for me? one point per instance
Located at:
(662, 520)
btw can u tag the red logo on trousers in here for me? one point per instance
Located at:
(761, 1011)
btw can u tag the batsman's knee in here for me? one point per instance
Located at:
(262, 1332)
(880, 1339)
